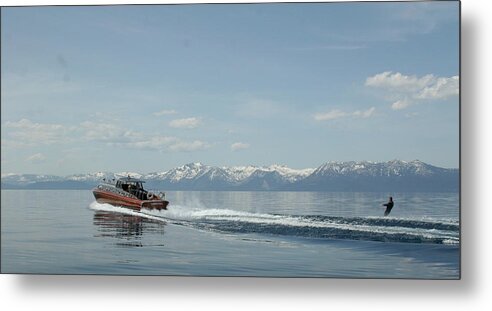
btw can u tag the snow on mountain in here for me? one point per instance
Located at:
(241, 173)
(330, 176)
(98, 176)
(128, 174)
(90, 177)
(187, 171)
(25, 179)
(291, 174)
(367, 168)
(235, 174)
(395, 175)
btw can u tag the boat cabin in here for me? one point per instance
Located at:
(130, 184)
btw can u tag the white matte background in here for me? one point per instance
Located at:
(473, 292)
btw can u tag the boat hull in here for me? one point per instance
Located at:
(103, 196)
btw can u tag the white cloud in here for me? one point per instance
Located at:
(337, 114)
(239, 146)
(400, 104)
(189, 146)
(36, 158)
(442, 88)
(27, 133)
(164, 113)
(155, 143)
(334, 114)
(108, 132)
(364, 114)
(398, 81)
(114, 135)
(408, 90)
(185, 123)
(164, 144)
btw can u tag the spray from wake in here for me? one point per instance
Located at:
(103, 207)
(307, 226)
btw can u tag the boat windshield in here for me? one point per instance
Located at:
(126, 185)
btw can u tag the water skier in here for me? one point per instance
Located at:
(389, 206)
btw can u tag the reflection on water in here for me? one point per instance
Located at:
(127, 229)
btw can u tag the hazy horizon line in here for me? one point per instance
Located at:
(225, 166)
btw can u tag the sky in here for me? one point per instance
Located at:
(149, 88)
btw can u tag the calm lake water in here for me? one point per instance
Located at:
(286, 234)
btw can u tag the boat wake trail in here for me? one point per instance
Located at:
(103, 207)
(305, 226)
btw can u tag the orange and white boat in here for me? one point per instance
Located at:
(129, 192)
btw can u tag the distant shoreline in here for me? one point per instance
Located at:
(391, 176)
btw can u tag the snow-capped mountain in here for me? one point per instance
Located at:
(366, 168)
(188, 171)
(26, 179)
(199, 176)
(91, 177)
(98, 176)
(235, 174)
(393, 175)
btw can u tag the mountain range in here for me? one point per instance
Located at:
(391, 176)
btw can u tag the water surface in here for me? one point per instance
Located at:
(294, 234)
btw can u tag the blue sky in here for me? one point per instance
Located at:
(149, 88)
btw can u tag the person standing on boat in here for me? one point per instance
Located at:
(389, 206)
